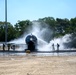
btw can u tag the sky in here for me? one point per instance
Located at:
(35, 9)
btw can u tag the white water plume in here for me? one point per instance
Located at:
(44, 36)
(60, 41)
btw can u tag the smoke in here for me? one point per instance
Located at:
(60, 41)
(71, 42)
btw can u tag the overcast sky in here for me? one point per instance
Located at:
(35, 9)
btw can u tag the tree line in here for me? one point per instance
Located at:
(59, 26)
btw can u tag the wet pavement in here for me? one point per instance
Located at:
(38, 54)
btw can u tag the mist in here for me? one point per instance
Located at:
(45, 37)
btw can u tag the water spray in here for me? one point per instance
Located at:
(43, 34)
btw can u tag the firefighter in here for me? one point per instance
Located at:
(53, 46)
(58, 47)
